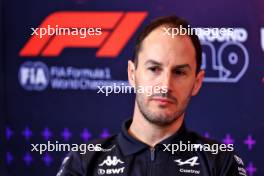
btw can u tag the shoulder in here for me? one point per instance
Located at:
(76, 162)
(221, 157)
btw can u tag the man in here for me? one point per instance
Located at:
(147, 143)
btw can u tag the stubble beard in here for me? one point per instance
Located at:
(160, 119)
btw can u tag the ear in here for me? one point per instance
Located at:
(198, 82)
(131, 72)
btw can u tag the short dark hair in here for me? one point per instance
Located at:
(171, 21)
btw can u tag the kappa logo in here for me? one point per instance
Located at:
(111, 162)
(108, 162)
(117, 29)
(192, 161)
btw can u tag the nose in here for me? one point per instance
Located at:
(166, 81)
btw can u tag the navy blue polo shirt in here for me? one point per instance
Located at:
(123, 155)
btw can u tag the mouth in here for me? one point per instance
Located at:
(162, 101)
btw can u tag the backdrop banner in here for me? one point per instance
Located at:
(56, 54)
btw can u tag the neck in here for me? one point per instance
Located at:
(150, 133)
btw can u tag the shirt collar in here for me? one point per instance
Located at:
(130, 145)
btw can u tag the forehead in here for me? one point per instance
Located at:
(163, 48)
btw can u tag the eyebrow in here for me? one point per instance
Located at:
(182, 66)
(152, 62)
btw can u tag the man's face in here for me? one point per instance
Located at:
(165, 62)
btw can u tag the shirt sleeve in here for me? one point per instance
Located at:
(71, 165)
(235, 166)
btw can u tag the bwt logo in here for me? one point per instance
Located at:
(34, 76)
(117, 29)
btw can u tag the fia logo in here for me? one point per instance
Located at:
(192, 161)
(33, 76)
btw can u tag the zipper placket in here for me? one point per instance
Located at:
(152, 154)
(152, 159)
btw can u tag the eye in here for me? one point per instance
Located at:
(179, 72)
(154, 69)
